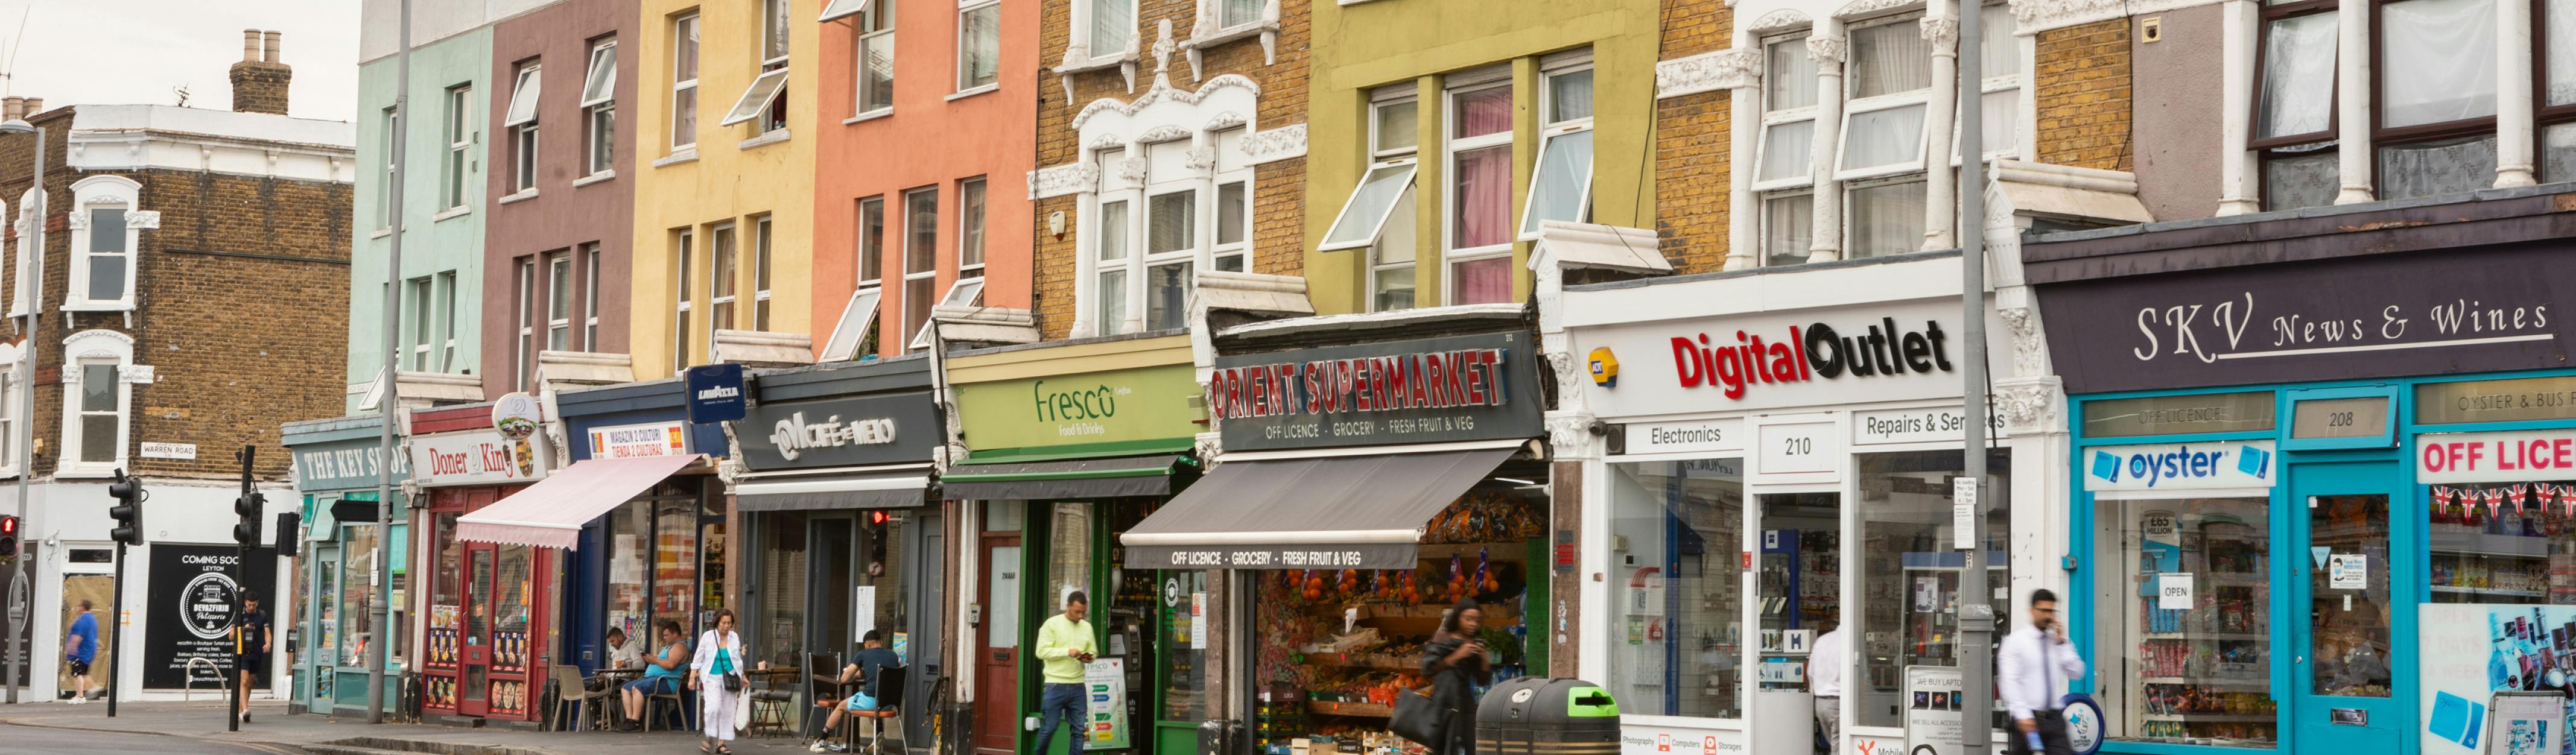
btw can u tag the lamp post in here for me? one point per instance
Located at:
(23, 435)
(392, 377)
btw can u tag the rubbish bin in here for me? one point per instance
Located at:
(1535, 716)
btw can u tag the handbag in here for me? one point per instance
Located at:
(733, 683)
(1419, 718)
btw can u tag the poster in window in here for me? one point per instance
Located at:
(193, 595)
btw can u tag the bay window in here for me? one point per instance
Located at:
(1171, 234)
(521, 120)
(1784, 166)
(1478, 192)
(599, 108)
(1561, 186)
(1999, 85)
(684, 83)
(1153, 230)
(1889, 84)
(2436, 91)
(1110, 282)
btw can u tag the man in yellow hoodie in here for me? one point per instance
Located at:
(1064, 645)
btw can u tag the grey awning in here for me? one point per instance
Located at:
(884, 490)
(1071, 478)
(1342, 512)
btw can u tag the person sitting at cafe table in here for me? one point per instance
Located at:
(872, 656)
(662, 674)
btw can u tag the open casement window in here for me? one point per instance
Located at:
(857, 318)
(2294, 105)
(523, 97)
(836, 10)
(1394, 137)
(2436, 96)
(966, 292)
(599, 108)
(757, 98)
(875, 49)
(2555, 37)
(1890, 85)
(1477, 188)
(98, 398)
(1561, 187)
(1391, 259)
(684, 83)
(851, 334)
(106, 232)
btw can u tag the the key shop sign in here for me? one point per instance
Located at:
(1432, 390)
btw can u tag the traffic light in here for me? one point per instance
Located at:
(247, 506)
(128, 511)
(9, 536)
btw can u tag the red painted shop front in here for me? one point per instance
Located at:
(488, 615)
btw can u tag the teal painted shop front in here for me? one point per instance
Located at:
(337, 596)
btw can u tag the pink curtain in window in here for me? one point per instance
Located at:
(1484, 197)
(1485, 112)
(1485, 281)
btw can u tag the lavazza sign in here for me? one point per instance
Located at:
(1894, 352)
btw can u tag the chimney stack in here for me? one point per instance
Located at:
(260, 79)
(13, 108)
(34, 105)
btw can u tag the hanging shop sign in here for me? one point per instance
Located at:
(2181, 466)
(1893, 352)
(1433, 390)
(715, 393)
(1109, 406)
(194, 596)
(2362, 317)
(631, 441)
(840, 432)
(516, 415)
(2509, 456)
(344, 465)
(479, 457)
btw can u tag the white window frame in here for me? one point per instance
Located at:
(869, 295)
(1850, 229)
(973, 222)
(684, 30)
(963, 292)
(559, 278)
(419, 329)
(1218, 247)
(447, 320)
(1404, 161)
(460, 144)
(1992, 85)
(1216, 15)
(1548, 132)
(1145, 260)
(721, 298)
(523, 163)
(1854, 107)
(1782, 117)
(81, 349)
(835, 10)
(587, 257)
(599, 100)
(101, 193)
(524, 343)
(1129, 211)
(683, 307)
(9, 402)
(385, 180)
(963, 85)
(932, 272)
(756, 99)
(1450, 145)
(874, 27)
(1079, 37)
(762, 239)
(773, 23)
(1762, 220)
(525, 92)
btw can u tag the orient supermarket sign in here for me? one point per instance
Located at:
(1868, 354)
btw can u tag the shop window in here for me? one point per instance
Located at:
(780, 628)
(446, 591)
(1187, 694)
(881, 578)
(2199, 674)
(675, 558)
(1675, 530)
(630, 532)
(1799, 585)
(1912, 576)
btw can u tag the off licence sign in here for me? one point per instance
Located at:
(2508, 456)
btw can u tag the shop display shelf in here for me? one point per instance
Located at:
(1493, 611)
(1354, 710)
(1363, 660)
(2489, 591)
(2222, 718)
(1509, 550)
(2207, 681)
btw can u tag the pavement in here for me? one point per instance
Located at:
(199, 727)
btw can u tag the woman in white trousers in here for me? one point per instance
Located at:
(720, 711)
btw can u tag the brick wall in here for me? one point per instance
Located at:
(2083, 82)
(1692, 162)
(243, 306)
(1278, 192)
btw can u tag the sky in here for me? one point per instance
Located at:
(87, 52)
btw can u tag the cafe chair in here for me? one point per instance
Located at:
(889, 694)
(679, 699)
(822, 672)
(570, 692)
(769, 708)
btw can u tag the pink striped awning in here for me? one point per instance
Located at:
(550, 513)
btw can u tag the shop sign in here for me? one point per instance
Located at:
(2516, 400)
(1638, 739)
(631, 441)
(193, 597)
(715, 393)
(1433, 390)
(1110, 406)
(2507, 456)
(2483, 664)
(340, 466)
(1698, 436)
(1893, 352)
(1916, 426)
(516, 415)
(2362, 317)
(2354, 417)
(1802, 448)
(2181, 466)
(1932, 724)
(841, 432)
(478, 457)
(2185, 414)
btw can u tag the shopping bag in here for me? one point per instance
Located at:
(1420, 719)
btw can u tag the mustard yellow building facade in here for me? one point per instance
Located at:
(1435, 117)
(724, 205)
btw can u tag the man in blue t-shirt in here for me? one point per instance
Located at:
(85, 631)
(863, 668)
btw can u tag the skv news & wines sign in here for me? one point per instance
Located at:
(1432, 390)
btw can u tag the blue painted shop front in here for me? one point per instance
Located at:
(659, 555)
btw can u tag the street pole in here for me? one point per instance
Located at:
(387, 390)
(115, 635)
(238, 700)
(1976, 611)
(30, 267)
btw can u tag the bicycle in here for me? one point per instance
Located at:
(942, 703)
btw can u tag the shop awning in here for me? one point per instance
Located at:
(550, 514)
(1340, 512)
(878, 490)
(1071, 478)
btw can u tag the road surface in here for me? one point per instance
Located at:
(30, 740)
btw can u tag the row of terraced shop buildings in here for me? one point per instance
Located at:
(1276, 326)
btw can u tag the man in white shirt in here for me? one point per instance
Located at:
(1825, 680)
(2031, 671)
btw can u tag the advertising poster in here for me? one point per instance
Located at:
(1105, 694)
(1635, 739)
(2476, 659)
(1932, 715)
(190, 609)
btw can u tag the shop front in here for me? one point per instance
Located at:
(487, 609)
(2325, 505)
(339, 602)
(1364, 488)
(1071, 444)
(1777, 456)
(650, 549)
(837, 509)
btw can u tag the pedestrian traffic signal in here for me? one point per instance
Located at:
(247, 506)
(9, 536)
(128, 510)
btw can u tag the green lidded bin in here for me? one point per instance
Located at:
(1541, 716)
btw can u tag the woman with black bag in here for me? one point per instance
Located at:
(1455, 663)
